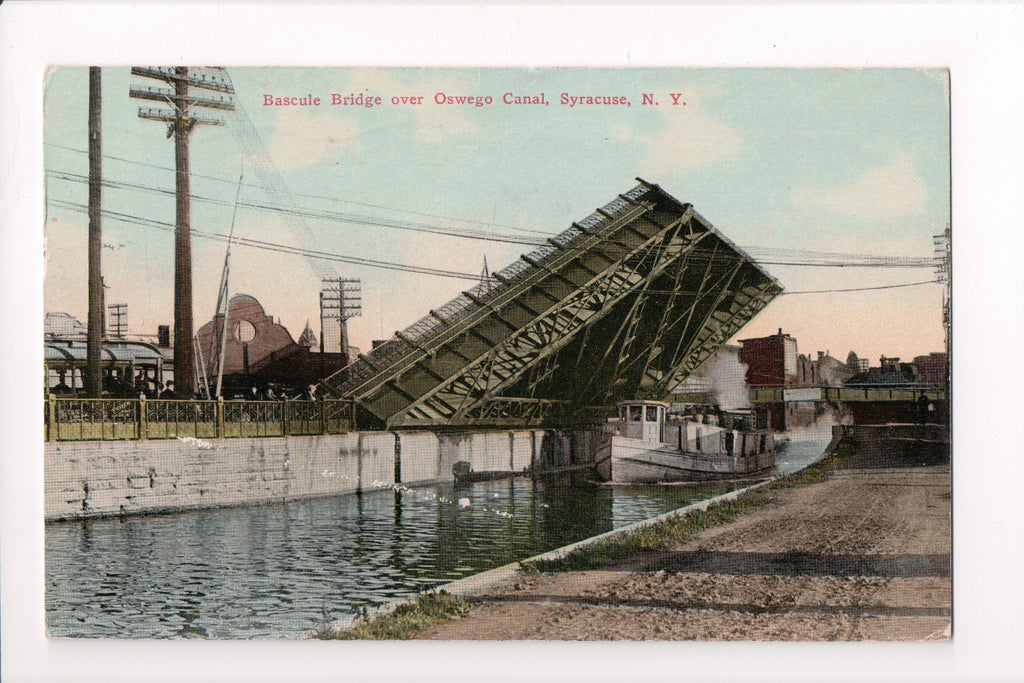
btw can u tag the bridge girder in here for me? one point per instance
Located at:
(625, 303)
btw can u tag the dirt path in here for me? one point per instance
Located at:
(862, 556)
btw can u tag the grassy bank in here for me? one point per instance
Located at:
(674, 532)
(655, 537)
(433, 608)
(819, 471)
(406, 621)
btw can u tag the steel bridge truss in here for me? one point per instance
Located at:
(626, 303)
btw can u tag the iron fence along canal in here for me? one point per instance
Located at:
(107, 419)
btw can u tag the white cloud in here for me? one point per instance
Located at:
(690, 139)
(888, 192)
(304, 137)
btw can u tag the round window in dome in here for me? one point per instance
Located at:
(245, 331)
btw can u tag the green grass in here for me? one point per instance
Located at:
(406, 621)
(674, 532)
(435, 608)
(821, 470)
(659, 536)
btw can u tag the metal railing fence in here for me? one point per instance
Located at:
(106, 419)
(851, 394)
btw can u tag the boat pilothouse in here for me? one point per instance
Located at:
(649, 441)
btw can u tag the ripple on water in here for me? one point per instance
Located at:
(276, 571)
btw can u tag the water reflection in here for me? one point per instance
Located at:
(277, 572)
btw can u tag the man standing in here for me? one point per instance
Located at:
(922, 408)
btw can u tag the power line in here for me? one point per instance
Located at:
(327, 215)
(797, 258)
(310, 196)
(280, 248)
(862, 289)
(391, 265)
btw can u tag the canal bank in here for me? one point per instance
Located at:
(851, 554)
(95, 479)
(278, 571)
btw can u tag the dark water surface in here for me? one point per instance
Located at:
(280, 571)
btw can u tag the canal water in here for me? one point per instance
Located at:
(280, 571)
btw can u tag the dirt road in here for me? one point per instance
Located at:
(864, 555)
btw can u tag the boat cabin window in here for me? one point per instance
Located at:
(636, 413)
(652, 413)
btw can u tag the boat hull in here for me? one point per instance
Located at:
(627, 460)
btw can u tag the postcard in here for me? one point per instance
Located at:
(547, 351)
(359, 322)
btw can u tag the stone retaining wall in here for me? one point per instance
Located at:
(108, 478)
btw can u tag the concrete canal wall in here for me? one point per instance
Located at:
(107, 478)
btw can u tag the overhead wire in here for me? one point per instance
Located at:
(307, 195)
(391, 265)
(796, 257)
(801, 258)
(272, 246)
(863, 289)
(305, 213)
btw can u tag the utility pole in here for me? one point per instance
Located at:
(944, 270)
(94, 332)
(119, 322)
(181, 119)
(340, 299)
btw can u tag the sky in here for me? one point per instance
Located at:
(846, 161)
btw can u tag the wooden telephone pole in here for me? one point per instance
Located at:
(94, 332)
(212, 90)
(340, 299)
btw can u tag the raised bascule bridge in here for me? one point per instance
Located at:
(624, 304)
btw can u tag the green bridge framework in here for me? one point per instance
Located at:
(626, 303)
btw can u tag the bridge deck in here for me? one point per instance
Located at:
(626, 302)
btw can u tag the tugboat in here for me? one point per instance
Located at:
(647, 444)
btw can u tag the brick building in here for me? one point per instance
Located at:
(260, 352)
(772, 364)
(770, 361)
(933, 369)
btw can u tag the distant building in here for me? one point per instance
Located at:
(770, 361)
(890, 373)
(128, 367)
(773, 368)
(824, 371)
(933, 369)
(307, 338)
(891, 391)
(259, 352)
(856, 364)
(63, 326)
